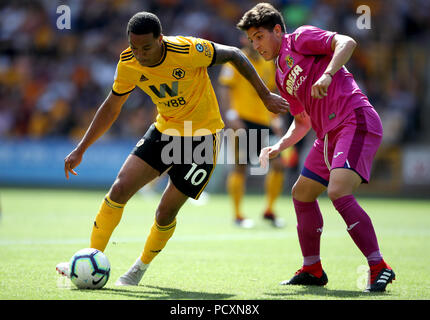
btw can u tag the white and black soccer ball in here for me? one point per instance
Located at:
(89, 269)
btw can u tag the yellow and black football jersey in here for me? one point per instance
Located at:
(244, 98)
(179, 86)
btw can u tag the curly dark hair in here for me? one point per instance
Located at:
(144, 22)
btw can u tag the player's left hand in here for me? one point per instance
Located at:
(276, 104)
(72, 160)
(319, 89)
(268, 153)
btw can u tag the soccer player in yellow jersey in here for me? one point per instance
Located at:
(173, 72)
(246, 111)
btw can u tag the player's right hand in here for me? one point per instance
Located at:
(276, 104)
(72, 161)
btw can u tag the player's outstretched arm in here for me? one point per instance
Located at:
(102, 121)
(297, 130)
(224, 54)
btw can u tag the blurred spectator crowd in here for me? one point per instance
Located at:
(52, 81)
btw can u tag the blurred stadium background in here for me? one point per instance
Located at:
(52, 82)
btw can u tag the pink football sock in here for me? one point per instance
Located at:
(309, 229)
(360, 227)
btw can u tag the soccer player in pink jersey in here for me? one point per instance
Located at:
(324, 96)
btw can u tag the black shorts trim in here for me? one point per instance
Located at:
(312, 175)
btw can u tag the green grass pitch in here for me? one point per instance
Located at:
(208, 258)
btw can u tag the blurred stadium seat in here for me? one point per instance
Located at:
(52, 81)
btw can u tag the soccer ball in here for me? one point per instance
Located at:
(89, 269)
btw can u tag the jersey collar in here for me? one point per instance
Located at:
(162, 58)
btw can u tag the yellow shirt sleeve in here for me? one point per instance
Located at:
(122, 84)
(202, 52)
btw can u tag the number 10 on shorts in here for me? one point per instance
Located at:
(197, 177)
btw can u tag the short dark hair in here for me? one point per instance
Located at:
(262, 15)
(144, 22)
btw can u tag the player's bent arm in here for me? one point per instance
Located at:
(224, 54)
(103, 119)
(297, 130)
(343, 47)
(234, 55)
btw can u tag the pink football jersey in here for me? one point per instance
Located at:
(303, 58)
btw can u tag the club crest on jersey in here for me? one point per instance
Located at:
(199, 47)
(289, 61)
(178, 73)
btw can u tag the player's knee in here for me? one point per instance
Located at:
(303, 192)
(119, 192)
(342, 182)
(165, 214)
(297, 191)
(334, 192)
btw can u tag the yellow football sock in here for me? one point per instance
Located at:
(236, 189)
(157, 240)
(273, 183)
(106, 220)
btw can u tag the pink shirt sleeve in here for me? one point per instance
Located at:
(310, 40)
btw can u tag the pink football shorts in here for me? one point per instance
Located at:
(352, 144)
